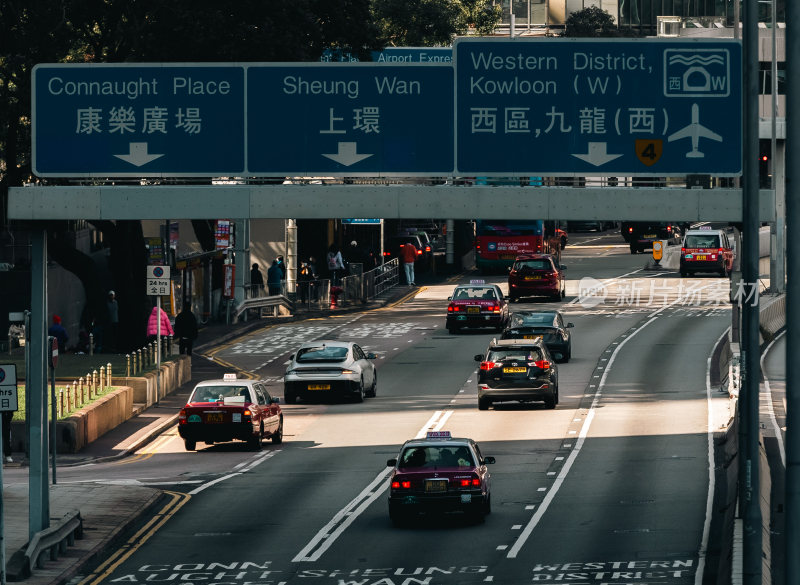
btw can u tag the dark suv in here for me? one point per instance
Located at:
(517, 369)
(640, 235)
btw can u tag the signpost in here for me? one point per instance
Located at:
(8, 403)
(157, 285)
(350, 119)
(138, 120)
(631, 107)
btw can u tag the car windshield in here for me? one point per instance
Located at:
(436, 456)
(218, 393)
(470, 293)
(532, 320)
(701, 241)
(514, 353)
(322, 353)
(524, 265)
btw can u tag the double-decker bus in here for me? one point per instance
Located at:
(498, 242)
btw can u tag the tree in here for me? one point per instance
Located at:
(422, 23)
(590, 22)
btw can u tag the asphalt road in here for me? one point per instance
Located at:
(610, 487)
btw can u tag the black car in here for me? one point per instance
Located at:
(545, 325)
(517, 370)
(640, 235)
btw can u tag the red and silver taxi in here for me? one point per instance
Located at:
(224, 410)
(706, 250)
(439, 473)
(476, 305)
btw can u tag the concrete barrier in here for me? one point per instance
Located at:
(94, 420)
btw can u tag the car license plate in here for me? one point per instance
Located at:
(531, 337)
(533, 278)
(319, 386)
(650, 236)
(508, 257)
(514, 370)
(473, 309)
(214, 417)
(701, 257)
(435, 485)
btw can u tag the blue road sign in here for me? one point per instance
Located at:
(350, 119)
(627, 107)
(138, 119)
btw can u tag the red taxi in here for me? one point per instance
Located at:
(224, 410)
(476, 305)
(439, 473)
(706, 250)
(536, 275)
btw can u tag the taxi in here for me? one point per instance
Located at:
(706, 250)
(224, 410)
(439, 473)
(476, 305)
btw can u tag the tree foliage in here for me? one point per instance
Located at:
(423, 23)
(590, 22)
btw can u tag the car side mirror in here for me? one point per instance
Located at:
(391, 462)
(478, 357)
(275, 400)
(488, 460)
(291, 357)
(371, 356)
(570, 325)
(449, 298)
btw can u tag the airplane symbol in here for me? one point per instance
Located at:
(695, 131)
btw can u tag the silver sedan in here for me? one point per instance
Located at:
(321, 369)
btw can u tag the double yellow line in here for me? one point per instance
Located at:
(177, 500)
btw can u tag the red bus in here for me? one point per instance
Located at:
(497, 242)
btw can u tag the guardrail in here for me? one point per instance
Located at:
(51, 542)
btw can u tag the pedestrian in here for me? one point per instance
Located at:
(335, 263)
(57, 330)
(186, 329)
(274, 278)
(113, 321)
(256, 281)
(408, 255)
(152, 324)
(356, 256)
(7, 416)
(303, 281)
(282, 266)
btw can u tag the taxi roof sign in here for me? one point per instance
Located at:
(229, 377)
(477, 281)
(437, 435)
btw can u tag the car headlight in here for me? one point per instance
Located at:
(348, 372)
(290, 372)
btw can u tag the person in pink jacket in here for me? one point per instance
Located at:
(152, 324)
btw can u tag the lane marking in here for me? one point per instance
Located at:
(573, 455)
(176, 502)
(328, 534)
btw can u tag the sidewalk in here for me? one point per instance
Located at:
(115, 509)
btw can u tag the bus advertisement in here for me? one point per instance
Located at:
(498, 242)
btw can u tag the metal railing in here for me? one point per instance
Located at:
(49, 542)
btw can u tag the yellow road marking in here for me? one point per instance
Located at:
(138, 539)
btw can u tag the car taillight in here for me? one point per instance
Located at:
(405, 484)
(427, 248)
(669, 228)
(630, 230)
(683, 251)
(387, 253)
(493, 308)
(247, 412)
(453, 308)
(470, 482)
(182, 417)
(543, 364)
(419, 252)
(486, 366)
(721, 251)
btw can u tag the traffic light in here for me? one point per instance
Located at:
(764, 176)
